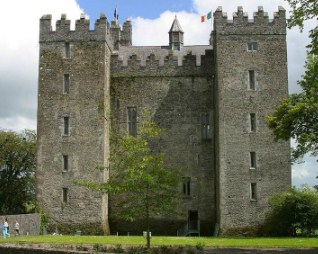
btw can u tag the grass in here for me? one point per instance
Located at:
(173, 241)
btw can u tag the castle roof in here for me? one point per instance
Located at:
(176, 26)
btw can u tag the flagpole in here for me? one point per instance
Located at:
(211, 21)
(117, 10)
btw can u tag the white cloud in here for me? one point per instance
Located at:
(155, 32)
(17, 123)
(250, 6)
(306, 172)
(19, 33)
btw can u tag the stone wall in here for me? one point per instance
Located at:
(176, 96)
(181, 89)
(85, 104)
(29, 223)
(235, 101)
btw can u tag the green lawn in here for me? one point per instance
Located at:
(138, 240)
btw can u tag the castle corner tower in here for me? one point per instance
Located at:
(176, 35)
(210, 101)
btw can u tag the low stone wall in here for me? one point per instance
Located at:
(10, 249)
(29, 223)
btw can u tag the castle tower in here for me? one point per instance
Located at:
(121, 37)
(176, 35)
(210, 101)
(251, 80)
(73, 105)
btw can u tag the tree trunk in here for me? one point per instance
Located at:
(148, 226)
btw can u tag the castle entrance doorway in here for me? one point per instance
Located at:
(193, 219)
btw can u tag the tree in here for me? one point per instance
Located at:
(293, 211)
(297, 116)
(17, 172)
(141, 184)
(302, 10)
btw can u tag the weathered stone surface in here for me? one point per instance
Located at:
(29, 224)
(108, 75)
(234, 102)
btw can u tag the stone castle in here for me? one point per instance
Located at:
(211, 102)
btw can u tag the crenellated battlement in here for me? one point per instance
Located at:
(241, 24)
(82, 30)
(161, 60)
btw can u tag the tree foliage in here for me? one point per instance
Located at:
(17, 172)
(140, 185)
(302, 10)
(297, 116)
(293, 211)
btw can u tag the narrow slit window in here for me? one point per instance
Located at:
(66, 83)
(205, 126)
(186, 186)
(252, 122)
(252, 160)
(66, 126)
(65, 162)
(65, 195)
(253, 191)
(251, 79)
(252, 46)
(67, 50)
(132, 121)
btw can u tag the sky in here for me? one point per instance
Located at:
(151, 19)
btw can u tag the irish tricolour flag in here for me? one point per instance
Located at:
(208, 16)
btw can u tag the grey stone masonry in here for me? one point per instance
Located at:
(210, 101)
(29, 224)
(72, 130)
(251, 166)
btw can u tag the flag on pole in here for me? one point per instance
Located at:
(208, 16)
(116, 13)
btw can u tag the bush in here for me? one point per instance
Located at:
(251, 231)
(70, 229)
(293, 212)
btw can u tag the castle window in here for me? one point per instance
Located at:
(132, 121)
(252, 122)
(175, 37)
(253, 191)
(186, 183)
(252, 160)
(65, 162)
(67, 48)
(205, 126)
(66, 126)
(251, 79)
(65, 195)
(66, 83)
(198, 159)
(252, 46)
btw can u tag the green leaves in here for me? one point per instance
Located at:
(294, 210)
(297, 116)
(302, 10)
(139, 184)
(17, 172)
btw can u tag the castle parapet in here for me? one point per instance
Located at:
(241, 24)
(82, 30)
(164, 63)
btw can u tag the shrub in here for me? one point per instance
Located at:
(70, 229)
(295, 211)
